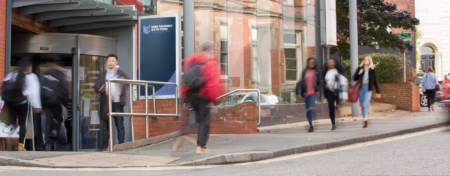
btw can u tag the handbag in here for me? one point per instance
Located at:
(353, 94)
(438, 87)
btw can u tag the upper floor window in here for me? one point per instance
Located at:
(422, 10)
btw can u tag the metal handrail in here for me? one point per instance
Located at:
(146, 114)
(258, 94)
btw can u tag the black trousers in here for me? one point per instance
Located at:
(50, 114)
(431, 94)
(333, 100)
(21, 112)
(203, 118)
(119, 125)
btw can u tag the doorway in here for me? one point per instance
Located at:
(427, 58)
(83, 58)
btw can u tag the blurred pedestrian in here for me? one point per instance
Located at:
(201, 87)
(446, 80)
(430, 83)
(366, 74)
(118, 98)
(308, 87)
(20, 89)
(54, 96)
(333, 70)
(271, 98)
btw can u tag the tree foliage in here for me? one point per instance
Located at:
(375, 17)
(389, 68)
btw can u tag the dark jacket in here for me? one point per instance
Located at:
(300, 87)
(104, 106)
(63, 91)
(372, 78)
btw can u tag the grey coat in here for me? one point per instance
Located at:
(104, 98)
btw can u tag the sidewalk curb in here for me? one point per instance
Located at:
(263, 155)
(232, 158)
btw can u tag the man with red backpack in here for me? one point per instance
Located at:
(201, 87)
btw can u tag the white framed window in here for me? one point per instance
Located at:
(292, 55)
(224, 50)
(288, 2)
(254, 48)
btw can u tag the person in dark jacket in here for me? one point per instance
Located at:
(118, 97)
(333, 70)
(367, 76)
(52, 109)
(202, 97)
(308, 87)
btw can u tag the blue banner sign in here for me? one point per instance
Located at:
(159, 53)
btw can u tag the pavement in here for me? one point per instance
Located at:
(271, 142)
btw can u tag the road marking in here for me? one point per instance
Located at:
(16, 168)
(349, 147)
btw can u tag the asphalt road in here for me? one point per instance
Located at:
(424, 153)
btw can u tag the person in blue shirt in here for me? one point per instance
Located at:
(429, 83)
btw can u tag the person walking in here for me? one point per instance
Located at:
(201, 87)
(430, 83)
(21, 89)
(118, 98)
(54, 95)
(333, 70)
(308, 88)
(446, 80)
(366, 74)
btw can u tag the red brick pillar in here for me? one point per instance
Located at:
(2, 46)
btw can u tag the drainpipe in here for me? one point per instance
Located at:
(8, 36)
(319, 51)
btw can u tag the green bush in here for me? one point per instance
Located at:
(389, 68)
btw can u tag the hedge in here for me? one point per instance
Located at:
(389, 68)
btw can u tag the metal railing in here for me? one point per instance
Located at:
(146, 114)
(258, 94)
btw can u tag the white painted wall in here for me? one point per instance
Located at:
(436, 33)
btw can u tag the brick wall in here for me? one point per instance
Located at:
(162, 125)
(239, 119)
(404, 5)
(2, 46)
(406, 96)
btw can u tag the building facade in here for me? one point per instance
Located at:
(434, 17)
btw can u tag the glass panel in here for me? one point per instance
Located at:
(290, 38)
(291, 75)
(291, 64)
(290, 53)
(90, 69)
(427, 50)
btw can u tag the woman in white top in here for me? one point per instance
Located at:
(29, 83)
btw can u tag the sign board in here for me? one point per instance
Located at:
(405, 36)
(10, 128)
(159, 53)
(288, 87)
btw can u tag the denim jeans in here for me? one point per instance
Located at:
(364, 99)
(119, 125)
(310, 101)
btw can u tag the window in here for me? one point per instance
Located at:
(224, 49)
(288, 2)
(422, 10)
(427, 50)
(254, 48)
(292, 51)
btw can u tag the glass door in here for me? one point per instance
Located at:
(90, 126)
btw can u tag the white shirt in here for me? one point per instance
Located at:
(115, 87)
(31, 88)
(272, 99)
